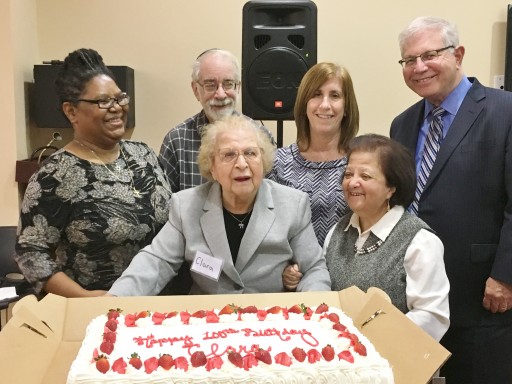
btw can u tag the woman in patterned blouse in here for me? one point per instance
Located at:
(96, 202)
(327, 118)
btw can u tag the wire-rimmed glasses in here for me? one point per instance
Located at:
(228, 155)
(212, 86)
(409, 62)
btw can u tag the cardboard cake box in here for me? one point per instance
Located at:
(41, 340)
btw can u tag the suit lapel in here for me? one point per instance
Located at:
(214, 231)
(260, 223)
(468, 112)
(410, 139)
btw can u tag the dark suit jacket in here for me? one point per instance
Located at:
(467, 198)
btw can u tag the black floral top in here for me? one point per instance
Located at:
(89, 220)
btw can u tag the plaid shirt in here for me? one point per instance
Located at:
(179, 150)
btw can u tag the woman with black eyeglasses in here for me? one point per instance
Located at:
(96, 202)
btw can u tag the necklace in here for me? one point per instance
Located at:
(369, 249)
(241, 224)
(135, 191)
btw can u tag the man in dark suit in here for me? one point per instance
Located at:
(465, 195)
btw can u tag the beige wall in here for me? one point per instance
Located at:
(18, 48)
(160, 38)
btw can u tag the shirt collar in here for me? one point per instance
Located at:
(453, 101)
(381, 228)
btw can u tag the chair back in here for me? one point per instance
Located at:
(7, 242)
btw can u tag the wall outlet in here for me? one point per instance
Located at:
(499, 81)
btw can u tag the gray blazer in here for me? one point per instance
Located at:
(279, 233)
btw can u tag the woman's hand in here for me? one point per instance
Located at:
(95, 293)
(61, 284)
(291, 277)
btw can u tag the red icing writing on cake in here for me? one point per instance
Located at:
(284, 335)
(306, 336)
(150, 341)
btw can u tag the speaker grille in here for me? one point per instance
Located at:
(278, 46)
(297, 40)
(46, 108)
(261, 40)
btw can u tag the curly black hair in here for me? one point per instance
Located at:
(78, 68)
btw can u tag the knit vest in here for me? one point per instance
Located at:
(382, 268)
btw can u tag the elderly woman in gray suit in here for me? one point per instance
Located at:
(238, 231)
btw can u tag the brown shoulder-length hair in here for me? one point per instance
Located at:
(314, 78)
(396, 163)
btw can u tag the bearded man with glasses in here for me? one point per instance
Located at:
(216, 85)
(461, 136)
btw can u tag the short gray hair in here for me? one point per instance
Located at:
(211, 132)
(448, 30)
(196, 67)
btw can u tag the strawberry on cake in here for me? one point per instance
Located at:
(296, 344)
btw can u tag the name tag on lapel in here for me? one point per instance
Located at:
(207, 266)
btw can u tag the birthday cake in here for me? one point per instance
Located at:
(295, 344)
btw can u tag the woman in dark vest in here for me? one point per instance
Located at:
(382, 245)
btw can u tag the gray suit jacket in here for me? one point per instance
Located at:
(279, 232)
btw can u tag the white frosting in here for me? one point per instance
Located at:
(215, 338)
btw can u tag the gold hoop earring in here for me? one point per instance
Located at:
(388, 205)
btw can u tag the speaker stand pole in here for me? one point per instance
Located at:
(279, 133)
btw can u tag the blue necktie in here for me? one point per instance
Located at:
(432, 144)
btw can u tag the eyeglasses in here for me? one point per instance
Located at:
(228, 155)
(409, 62)
(212, 86)
(123, 99)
